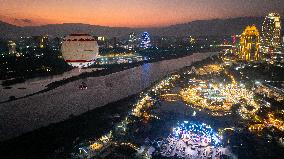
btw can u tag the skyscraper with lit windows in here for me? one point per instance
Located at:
(271, 28)
(132, 41)
(12, 47)
(145, 41)
(250, 44)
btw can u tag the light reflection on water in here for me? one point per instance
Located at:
(145, 75)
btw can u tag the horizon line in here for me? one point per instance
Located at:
(130, 27)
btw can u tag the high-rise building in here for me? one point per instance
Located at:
(250, 44)
(271, 28)
(101, 38)
(38, 41)
(43, 42)
(132, 41)
(145, 41)
(12, 47)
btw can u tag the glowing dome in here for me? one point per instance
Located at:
(196, 133)
(79, 50)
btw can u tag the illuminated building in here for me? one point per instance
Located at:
(101, 38)
(191, 40)
(249, 44)
(193, 140)
(12, 47)
(145, 41)
(132, 41)
(271, 29)
(39, 42)
(43, 42)
(196, 133)
(79, 50)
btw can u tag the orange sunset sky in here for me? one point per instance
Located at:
(130, 13)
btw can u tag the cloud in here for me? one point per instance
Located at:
(29, 21)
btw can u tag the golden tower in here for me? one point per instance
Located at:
(250, 44)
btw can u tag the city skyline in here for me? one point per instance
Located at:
(140, 79)
(130, 13)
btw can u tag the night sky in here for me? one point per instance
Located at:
(130, 13)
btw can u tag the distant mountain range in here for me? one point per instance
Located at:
(216, 27)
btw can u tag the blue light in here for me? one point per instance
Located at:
(83, 149)
(196, 132)
(146, 42)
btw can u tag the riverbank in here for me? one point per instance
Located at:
(32, 86)
(53, 140)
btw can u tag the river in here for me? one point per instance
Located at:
(27, 114)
